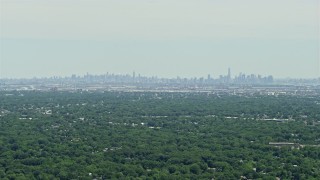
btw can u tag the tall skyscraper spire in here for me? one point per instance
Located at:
(134, 76)
(229, 73)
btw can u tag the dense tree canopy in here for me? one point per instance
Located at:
(119, 135)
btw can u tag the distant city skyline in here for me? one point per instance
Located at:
(228, 75)
(159, 38)
(138, 79)
(135, 74)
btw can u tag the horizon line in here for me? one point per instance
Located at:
(150, 76)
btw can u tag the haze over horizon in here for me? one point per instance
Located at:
(186, 38)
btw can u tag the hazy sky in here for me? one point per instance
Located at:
(166, 38)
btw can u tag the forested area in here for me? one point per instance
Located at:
(148, 135)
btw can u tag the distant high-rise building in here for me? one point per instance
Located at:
(229, 73)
